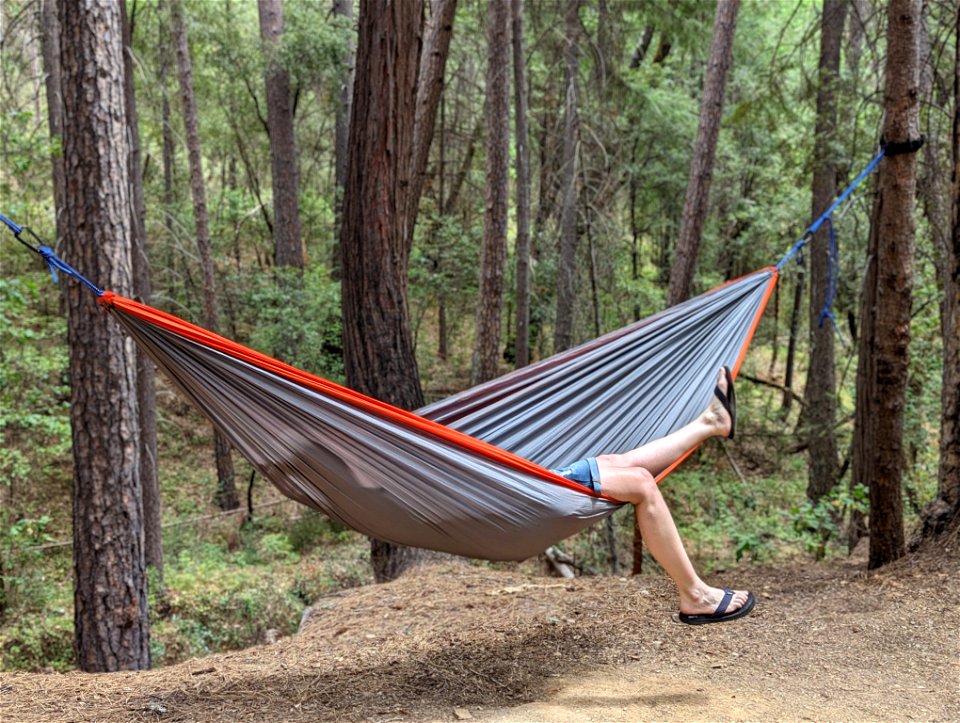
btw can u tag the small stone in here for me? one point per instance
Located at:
(462, 714)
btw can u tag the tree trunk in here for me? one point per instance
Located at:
(567, 272)
(378, 350)
(226, 496)
(143, 289)
(820, 398)
(493, 253)
(701, 168)
(50, 44)
(888, 286)
(111, 625)
(522, 166)
(287, 237)
(944, 512)
(342, 9)
(433, 63)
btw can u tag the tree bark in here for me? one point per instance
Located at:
(943, 513)
(50, 48)
(143, 289)
(569, 240)
(226, 496)
(111, 625)
(287, 236)
(342, 9)
(493, 252)
(885, 327)
(705, 148)
(820, 411)
(378, 349)
(433, 63)
(522, 168)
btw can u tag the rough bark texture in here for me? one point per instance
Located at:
(227, 497)
(705, 148)
(820, 409)
(143, 289)
(944, 512)
(885, 327)
(493, 252)
(287, 236)
(110, 585)
(522, 170)
(378, 350)
(569, 239)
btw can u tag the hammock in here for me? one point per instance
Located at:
(466, 475)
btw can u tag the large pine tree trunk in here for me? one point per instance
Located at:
(226, 497)
(110, 593)
(378, 350)
(287, 237)
(494, 250)
(143, 288)
(569, 239)
(705, 148)
(885, 327)
(820, 410)
(522, 169)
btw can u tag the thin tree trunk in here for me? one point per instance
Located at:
(433, 63)
(567, 273)
(50, 44)
(944, 512)
(111, 625)
(885, 328)
(287, 236)
(791, 361)
(143, 288)
(342, 9)
(705, 148)
(820, 408)
(226, 496)
(522, 166)
(493, 253)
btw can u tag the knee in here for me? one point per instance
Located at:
(637, 486)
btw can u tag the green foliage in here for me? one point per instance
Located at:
(294, 318)
(822, 522)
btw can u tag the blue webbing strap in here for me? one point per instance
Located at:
(833, 272)
(54, 262)
(815, 226)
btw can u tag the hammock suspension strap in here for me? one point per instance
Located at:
(54, 262)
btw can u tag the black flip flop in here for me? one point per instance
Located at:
(720, 615)
(729, 401)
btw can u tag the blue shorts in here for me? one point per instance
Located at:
(584, 472)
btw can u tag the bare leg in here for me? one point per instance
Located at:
(637, 485)
(659, 454)
(630, 477)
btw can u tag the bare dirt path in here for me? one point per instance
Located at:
(827, 642)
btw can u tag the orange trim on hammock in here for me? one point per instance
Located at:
(743, 350)
(192, 332)
(202, 336)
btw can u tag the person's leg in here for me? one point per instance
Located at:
(636, 485)
(659, 454)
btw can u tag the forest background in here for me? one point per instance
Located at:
(625, 81)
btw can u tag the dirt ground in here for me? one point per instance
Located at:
(826, 642)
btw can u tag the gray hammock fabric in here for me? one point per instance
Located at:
(465, 475)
